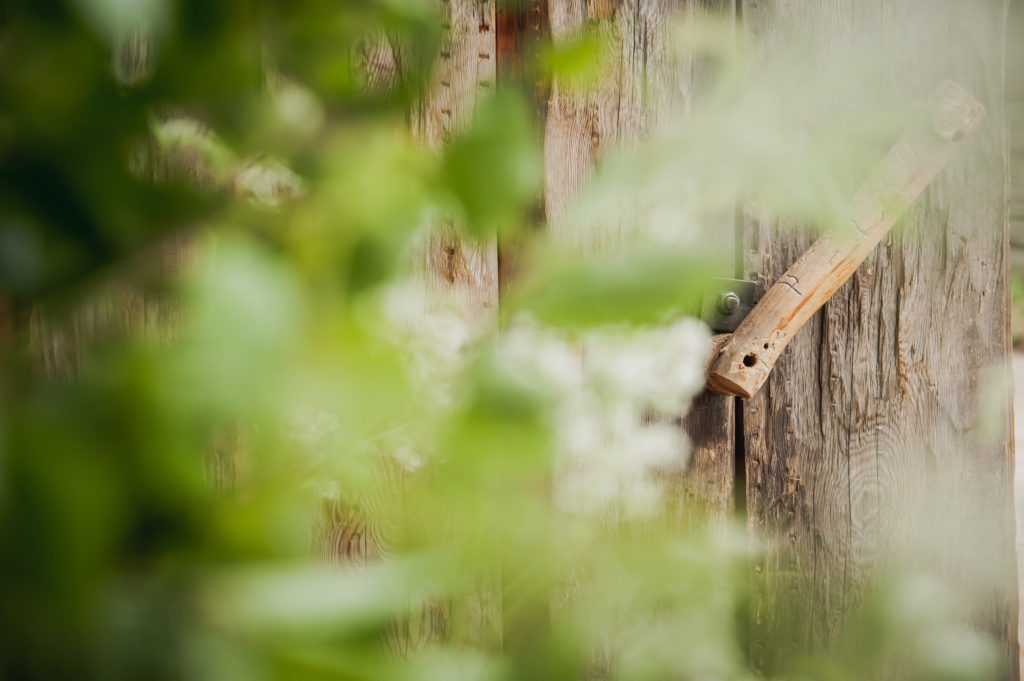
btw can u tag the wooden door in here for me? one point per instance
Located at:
(882, 434)
(881, 437)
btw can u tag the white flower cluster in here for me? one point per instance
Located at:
(619, 394)
(434, 337)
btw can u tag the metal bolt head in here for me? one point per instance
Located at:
(728, 302)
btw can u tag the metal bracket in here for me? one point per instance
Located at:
(726, 302)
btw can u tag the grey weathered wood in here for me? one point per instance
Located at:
(455, 274)
(648, 82)
(453, 268)
(1015, 121)
(707, 489)
(459, 272)
(866, 445)
(743, 365)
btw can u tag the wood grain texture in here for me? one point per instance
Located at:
(866, 446)
(461, 274)
(453, 269)
(706, 490)
(951, 116)
(1015, 119)
(455, 274)
(647, 82)
(522, 34)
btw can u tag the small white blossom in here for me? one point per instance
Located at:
(408, 457)
(667, 225)
(267, 182)
(434, 338)
(618, 394)
(312, 429)
(299, 108)
(543, 354)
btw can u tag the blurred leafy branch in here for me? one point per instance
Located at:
(290, 352)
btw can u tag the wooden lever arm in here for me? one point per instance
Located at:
(742, 365)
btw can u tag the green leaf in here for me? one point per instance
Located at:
(494, 169)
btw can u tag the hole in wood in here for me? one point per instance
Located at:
(765, 346)
(750, 360)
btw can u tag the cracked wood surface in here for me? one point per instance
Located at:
(744, 363)
(646, 82)
(868, 445)
(455, 274)
(453, 269)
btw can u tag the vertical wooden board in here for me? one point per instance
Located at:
(706, 490)
(451, 268)
(456, 275)
(648, 82)
(878, 438)
(459, 272)
(1015, 121)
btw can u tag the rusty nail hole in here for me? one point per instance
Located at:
(750, 360)
(765, 346)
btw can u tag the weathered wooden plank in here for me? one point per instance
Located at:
(1015, 120)
(742, 367)
(648, 81)
(522, 32)
(707, 488)
(456, 275)
(1015, 123)
(865, 447)
(453, 269)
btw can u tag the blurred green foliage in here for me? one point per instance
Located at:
(165, 511)
(1017, 311)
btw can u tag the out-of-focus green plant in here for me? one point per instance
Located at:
(511, 502)
(1017, 310)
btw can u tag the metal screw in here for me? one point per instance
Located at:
(728, 302)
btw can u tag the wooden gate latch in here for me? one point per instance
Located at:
(741, 364)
